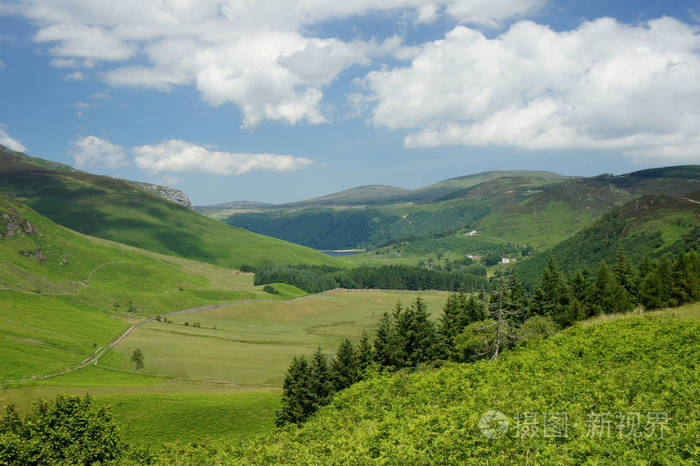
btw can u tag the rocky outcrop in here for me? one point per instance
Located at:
(169, 194)
(12, 225)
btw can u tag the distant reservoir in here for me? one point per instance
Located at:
(341, 252)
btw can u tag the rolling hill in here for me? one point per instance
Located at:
(63, 295)
(644, 229)
(121, 211)
(548, 396)
(535, 209)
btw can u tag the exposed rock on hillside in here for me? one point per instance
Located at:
(12, 225)
(169, 194)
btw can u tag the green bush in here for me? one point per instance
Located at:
(70, 429)
(270, 289)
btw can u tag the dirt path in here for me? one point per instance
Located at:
(94, 357)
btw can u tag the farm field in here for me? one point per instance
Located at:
(251, 344)
(223, 383)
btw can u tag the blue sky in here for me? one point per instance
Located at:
(271, 101)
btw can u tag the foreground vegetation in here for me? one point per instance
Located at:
(612, 391)
(628, 367)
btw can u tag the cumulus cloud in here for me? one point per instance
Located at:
(256, 54)
(181, 156)
(10, 142)
(76, 76)
(604, 85)
(92, 152)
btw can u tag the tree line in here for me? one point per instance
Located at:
(315, 279)
(481, 325)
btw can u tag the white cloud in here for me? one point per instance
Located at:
(10, 142)
(256, 54)
(2, 64)
(604, 85)
(96, 153)
(181, 156)
(77, 76)
(490, 12)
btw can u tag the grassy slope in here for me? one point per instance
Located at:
(553, 215)
(630, 365)
(252, 344)
(647, 227)
(57, 312)
(535, 209)
(117, 210)
(342, 228)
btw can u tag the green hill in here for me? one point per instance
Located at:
(644, 228)
(536, 209)
(619, 392)
(363, 226)
(118, 210)
(64, 295)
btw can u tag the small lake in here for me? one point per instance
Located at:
(341, 252)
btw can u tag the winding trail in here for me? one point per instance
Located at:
(94, 357)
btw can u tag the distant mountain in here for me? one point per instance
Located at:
(527, 208)
(121, 211)
(372, 195)
(643, 228)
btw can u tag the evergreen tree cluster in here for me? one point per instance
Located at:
(478, 326)
(315, 279)
(668, 282)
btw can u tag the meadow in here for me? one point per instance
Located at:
(219, 380)
(251, 344)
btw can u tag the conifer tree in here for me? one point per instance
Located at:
(552, 296)
(345, 366)
(453, 318)
(686, 279)
(364, 354)
(385, 343)
(298, 400)
(607, 295)
(626, 276)
(655, 292)
(416, 336)
(321, 381)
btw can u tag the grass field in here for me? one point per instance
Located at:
(220, 384)
(64, 295)
(252, 344)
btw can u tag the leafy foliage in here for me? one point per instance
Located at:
(631, 365)
(68, 430)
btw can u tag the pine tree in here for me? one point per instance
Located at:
(416, 336)
(321, 382)
(655, 292)
(364, 354)
(385, 343)
(552, 296)
(607, 295)
(298, 400)
(345, 366)
(686, 279)
(626, 276)
(453, 318)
